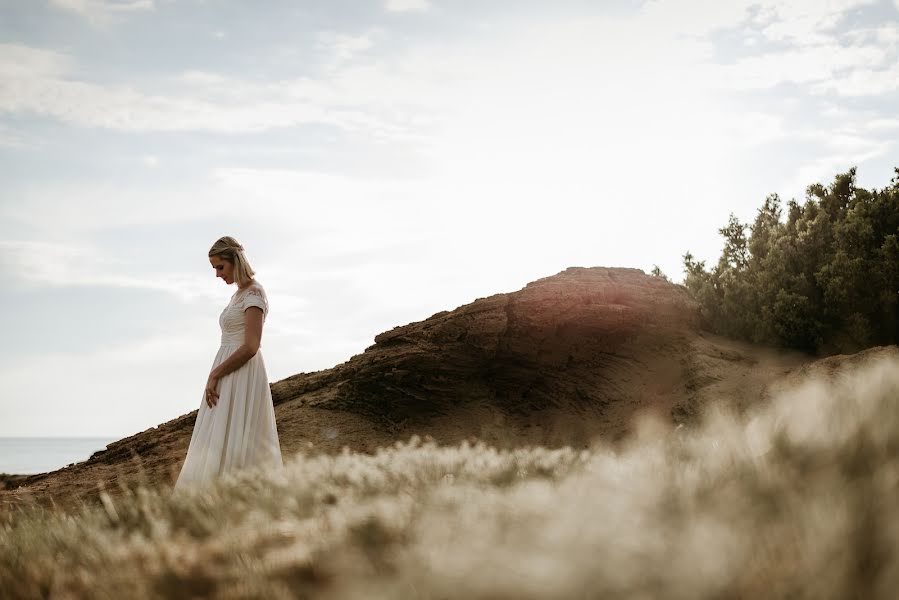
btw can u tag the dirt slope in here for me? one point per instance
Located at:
(564, 359)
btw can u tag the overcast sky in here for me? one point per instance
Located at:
(383, 160)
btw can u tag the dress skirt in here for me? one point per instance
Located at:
(239, 431)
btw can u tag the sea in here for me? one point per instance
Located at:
(30, 455)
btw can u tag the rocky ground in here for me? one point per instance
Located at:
(564, 359)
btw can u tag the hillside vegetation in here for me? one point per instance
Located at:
(794, 500)
(824, 279)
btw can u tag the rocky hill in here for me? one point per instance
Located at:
(563, 360)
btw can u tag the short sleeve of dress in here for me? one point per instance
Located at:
(255, 298)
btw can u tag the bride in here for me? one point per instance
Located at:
(235, 426)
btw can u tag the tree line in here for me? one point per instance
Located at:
(821, 276)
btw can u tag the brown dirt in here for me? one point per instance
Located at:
(563, 360)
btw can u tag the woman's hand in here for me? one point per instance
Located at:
(212, 395)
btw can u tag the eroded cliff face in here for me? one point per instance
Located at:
(562, 342)
(563, 360)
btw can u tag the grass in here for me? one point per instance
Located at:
(799, 499)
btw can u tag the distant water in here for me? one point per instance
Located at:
(29, 455)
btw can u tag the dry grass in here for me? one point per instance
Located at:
(799, 500)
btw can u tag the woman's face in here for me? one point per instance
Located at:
(223, 268)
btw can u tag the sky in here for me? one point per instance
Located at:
(381, 161)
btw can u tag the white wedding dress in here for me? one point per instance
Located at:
(239, 431)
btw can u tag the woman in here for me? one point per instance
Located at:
(235, 426)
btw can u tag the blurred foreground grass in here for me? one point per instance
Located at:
(798, 500)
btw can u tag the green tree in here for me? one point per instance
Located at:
(824, 280)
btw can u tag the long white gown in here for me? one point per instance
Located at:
(239, 431)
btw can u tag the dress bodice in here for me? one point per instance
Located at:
(233, 319)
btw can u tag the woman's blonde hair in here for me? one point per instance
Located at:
(230, 249)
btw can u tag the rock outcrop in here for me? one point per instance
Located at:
(564, 342)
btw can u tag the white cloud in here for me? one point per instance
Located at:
(830, 66)
(37, 81)
(802, 22)
(862, 82)
(883, 124)
(806, 22)
(103, 12)
(18, 62)
(124, 108)
(844, 151)
(860, 62)
(340, 48)
(329, 211)
(407, 5)
(411, 97)
(80, 264)
(824, 59)
(886, 35)
(53, 206)
(695, 17)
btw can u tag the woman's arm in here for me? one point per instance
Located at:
(246, 351)
(252, 339)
